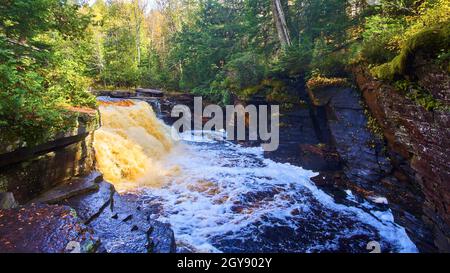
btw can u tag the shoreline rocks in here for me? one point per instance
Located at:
(43, 228)
(87, 213)
(419, 148)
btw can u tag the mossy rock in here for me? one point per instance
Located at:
(322, 89)
(430, 42)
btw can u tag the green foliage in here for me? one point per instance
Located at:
(313, 19)
(51, 51)
(27, 111)
(294, 61)
(41, 72)
(380, 35)
(398, 8)
(243, 70)
(202, 50)
(22, 19)
(328, 62)
(213, 94)
(373, 125)
(430, 13)
(154, 73)
(430, 41)
(443, 59)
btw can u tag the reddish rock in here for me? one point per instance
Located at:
(431, 77)
(421, 139)
(43, 229)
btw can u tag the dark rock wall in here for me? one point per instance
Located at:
(360, 150)
(27, 172)
(419, 143)
(367, 166)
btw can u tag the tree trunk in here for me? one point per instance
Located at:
(280, 22)
(138, 11)
(138, 43)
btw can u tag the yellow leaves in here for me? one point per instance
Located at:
(319, 82)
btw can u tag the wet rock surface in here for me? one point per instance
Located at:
(44, 229)
(118, 221)
(90, 205)
(143, 92)
(361, 151)
(71, 188)
(303, 131)
(126, 228)
(122, 94)
(419, 144)
(333, 138)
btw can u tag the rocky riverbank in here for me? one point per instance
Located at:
(330, 133)
(418, 144)
(53, 201)
(385, 144)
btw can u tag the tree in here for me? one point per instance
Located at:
(280, 21)
(42, 44)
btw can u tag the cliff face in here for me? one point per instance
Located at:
(419, 147)
(28, 171)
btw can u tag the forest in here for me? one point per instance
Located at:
(54, 51)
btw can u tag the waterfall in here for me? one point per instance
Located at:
(131, 145)
(219, 196)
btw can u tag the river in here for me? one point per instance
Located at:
(219, 196)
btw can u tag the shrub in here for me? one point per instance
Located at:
(327, 60)
(213, 94)
(244, 70)
(42, 69)
(381, 39)
(27, 110)
(430, 13)
(293, 61)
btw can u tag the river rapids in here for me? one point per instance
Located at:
(221, 197)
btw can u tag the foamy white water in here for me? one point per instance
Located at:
(230, 198)
(221, 197)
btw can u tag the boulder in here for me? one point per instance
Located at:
(29, 171)
(123, 228)
(119, 222)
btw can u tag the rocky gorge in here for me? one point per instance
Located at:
(403, 168)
